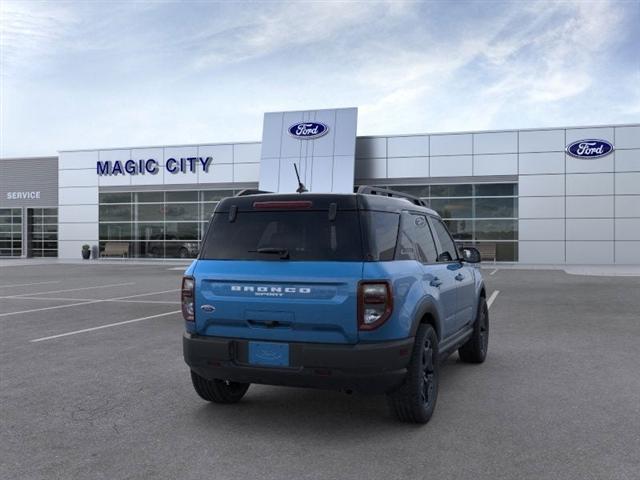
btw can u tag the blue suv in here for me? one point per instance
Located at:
(358, 292)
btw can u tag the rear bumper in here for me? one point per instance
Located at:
(372, 368)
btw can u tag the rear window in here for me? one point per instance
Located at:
(304, 235)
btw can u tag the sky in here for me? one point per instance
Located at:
(97, 74)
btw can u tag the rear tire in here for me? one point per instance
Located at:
(218, 391)
(475, 350)
(415, 400)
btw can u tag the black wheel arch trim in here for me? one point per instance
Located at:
(427, 308)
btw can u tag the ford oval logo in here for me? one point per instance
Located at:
(589, 148)
(308, 130)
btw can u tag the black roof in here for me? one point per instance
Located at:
(322, 201)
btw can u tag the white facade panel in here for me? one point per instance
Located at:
(408, 167)
(541, 185)
(627, 137)
(323, 146)
(371, 168)
(541, 252)
(458, 144)
(417, 146)
(321, 179)
(628, 229)
(78, 160)
(346, 129)
(599, 133)
(77, 178)
(452, 166)
(590, 184)
(374, 147)
(78, 213)
(219, 173)
(72, 248)
(87, 232)
(628, 183)
(582, 165)
(219, 153)
(495, 142)
(502, 164)
(628, 206)
(589, 229)
(627, 253)
(541, 229)
(247, 172)
(114, 156)
(541, 141)
(78, 196)
(590, 207)
(590, 253)
(627, 160)
(541, 207)
(545, 162)
(341, 182)
(246, 153)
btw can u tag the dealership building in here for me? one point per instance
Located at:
(567, 195)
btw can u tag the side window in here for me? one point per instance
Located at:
(416, 242)
(381, 230)
(448, 252)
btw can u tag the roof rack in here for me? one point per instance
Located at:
(385, 192)
(250, 191)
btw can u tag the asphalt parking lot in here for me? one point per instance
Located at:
(558, 397)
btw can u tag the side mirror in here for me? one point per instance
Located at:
(470, 255)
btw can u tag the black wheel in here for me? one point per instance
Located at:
(183, 253)
(475, 350)
(218, 391)
(415, 400)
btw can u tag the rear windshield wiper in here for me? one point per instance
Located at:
(283, 252)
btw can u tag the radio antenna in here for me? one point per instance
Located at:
(301, 188)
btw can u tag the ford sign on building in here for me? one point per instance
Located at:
(566, 195)
(590, 148)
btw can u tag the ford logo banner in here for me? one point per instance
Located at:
(590, 148)
(308, 130)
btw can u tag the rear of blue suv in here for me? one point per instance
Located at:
(335, 291)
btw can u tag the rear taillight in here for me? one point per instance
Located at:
(375, 304)
(187, 298)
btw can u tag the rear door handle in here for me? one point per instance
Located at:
(436, 282)
(459, 277)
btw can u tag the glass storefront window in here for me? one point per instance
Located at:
(150, 213)
(453, 207)
(496, 207)
(496, 189)
(115, 213)
(149, 197)
(115, 198)
(496, 229)
(462, 190)
(216, 195)
(181, 211)
(186, 196)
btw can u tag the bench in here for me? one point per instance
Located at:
(114, 249)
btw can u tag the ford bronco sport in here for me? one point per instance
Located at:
(358, 292)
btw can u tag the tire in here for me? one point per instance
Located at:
(415, 400)
(183, 253)
(475, 350)
(218, 391)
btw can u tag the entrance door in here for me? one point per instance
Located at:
(10, 232)
(42, 232)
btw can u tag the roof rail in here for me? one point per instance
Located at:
(250, 191)
(385, 192)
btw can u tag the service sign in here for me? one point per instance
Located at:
(589, 149)
(308, 130)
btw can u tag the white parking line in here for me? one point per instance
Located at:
(28, 284)
(89, 302)
(84, 330)
(494, 272)
(115, 300)
(71, 289)
(492, 297)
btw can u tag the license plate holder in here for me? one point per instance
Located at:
(269, 354)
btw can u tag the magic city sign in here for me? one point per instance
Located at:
(152, 167)
(589, 148)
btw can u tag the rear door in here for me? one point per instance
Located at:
(281, 275)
